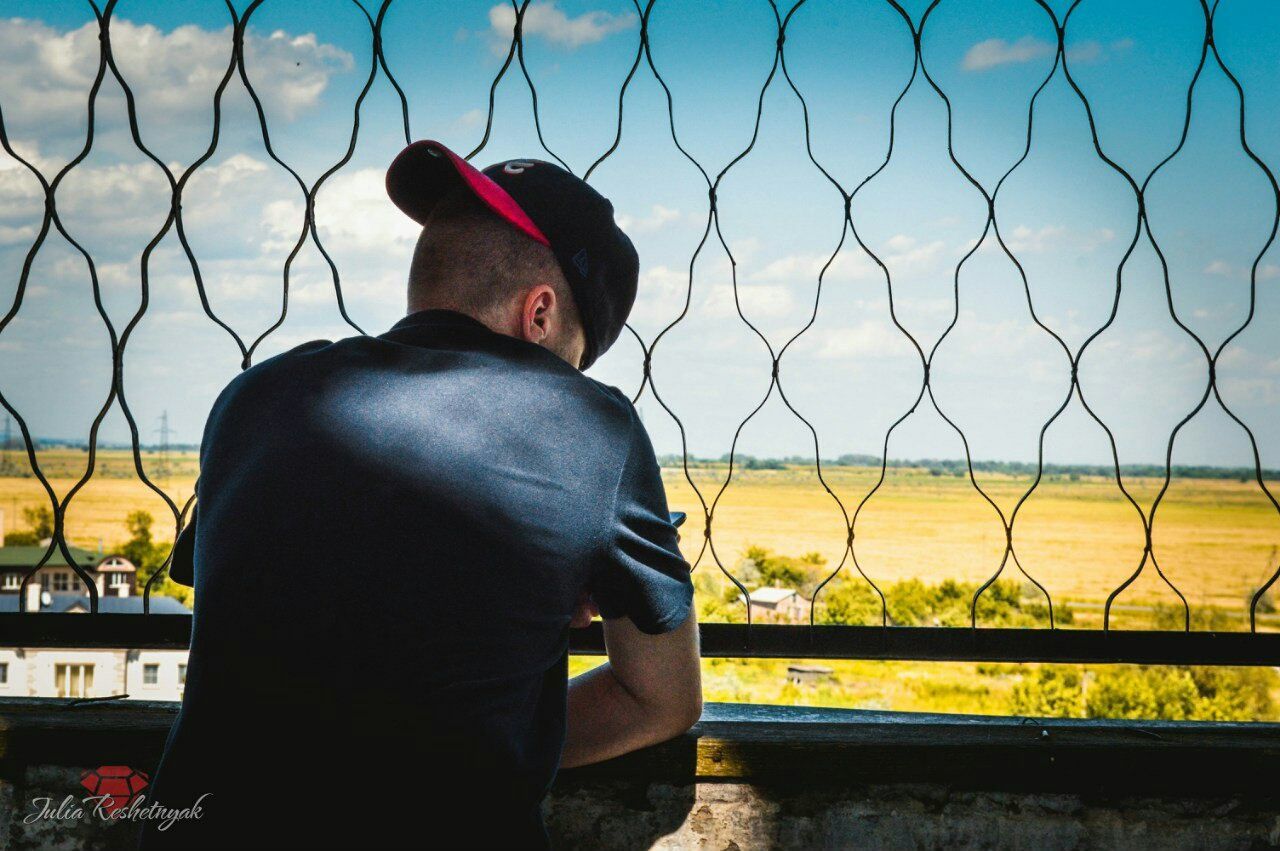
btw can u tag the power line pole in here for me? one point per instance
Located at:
(163, 470)
(7, 467)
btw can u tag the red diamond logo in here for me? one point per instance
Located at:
(119, 783)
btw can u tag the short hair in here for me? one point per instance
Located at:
(468, 259)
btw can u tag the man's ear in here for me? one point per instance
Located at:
(535, 316)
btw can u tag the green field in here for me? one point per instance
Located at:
(1216, 539)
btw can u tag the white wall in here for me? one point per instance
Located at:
(32, 672)
(167, 687)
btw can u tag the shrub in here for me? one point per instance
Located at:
(762, 567)
(1127, 691)
(912, 603)
(852, 602)
(40, 528)
(1053, 691)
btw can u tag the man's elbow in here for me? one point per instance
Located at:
(692, 712)
(682, 714)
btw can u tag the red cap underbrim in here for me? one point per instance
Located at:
(426, 171)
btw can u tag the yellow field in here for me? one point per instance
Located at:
(1215, 539)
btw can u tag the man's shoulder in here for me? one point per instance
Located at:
(614, 394)
(615, 403)
(289, 362)
(270, 374)
(287, 359)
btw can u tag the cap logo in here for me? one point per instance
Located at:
(580, 262)
(516, 166)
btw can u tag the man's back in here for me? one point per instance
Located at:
(392, 536)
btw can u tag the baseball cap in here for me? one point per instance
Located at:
(550, 206)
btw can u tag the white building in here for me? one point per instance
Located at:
(112, 575)
(71, 672)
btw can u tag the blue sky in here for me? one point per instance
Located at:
(1065, 215)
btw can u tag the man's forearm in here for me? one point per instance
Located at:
(648, 692)
(606, 720)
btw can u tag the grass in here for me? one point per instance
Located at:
(951, 687)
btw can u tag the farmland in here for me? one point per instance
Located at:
(1215, 539)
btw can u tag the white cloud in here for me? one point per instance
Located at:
(1025, 239)
(352, 210)
(1085, 51)
(1259, 390)
(546, 20)
(46, 73)
(659, 217)
(901, 253)
(994, 52)
(17, 235)
(1147, 347)
(867, 339)
(660, 294)
(757, 300)
(1224, 269)
(900, 242)
(805, 267)
(117, 208)
(470, 118)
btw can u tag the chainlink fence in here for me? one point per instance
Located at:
(912, 29)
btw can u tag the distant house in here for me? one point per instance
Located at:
(779, 604)
(114, 575)
(803, 675)
(72, 672)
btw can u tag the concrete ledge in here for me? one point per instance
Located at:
(756, 776)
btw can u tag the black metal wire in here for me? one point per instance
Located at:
(710, 499)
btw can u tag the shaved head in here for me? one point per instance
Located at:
(469, 260)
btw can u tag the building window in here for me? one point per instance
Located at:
(74, 680)
(62, 581)
(118, 579)
(4, 673)
(150, 674)
(182, 674)
(12, 581)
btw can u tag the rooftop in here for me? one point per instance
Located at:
(771, 594)
(75, 603)
(27, 557)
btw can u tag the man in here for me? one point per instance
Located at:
(395, 533)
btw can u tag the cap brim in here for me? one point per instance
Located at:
(423, 173)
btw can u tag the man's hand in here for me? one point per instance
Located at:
(649, 691)
(584, 612)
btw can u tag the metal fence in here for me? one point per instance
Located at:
(817, 639)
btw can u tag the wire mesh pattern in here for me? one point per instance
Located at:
(712, 239)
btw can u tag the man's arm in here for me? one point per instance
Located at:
(649, 691)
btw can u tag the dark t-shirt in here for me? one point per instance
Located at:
(391, 538)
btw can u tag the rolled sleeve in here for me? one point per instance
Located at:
(640, 573)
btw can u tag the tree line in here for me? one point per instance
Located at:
(959, 468)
